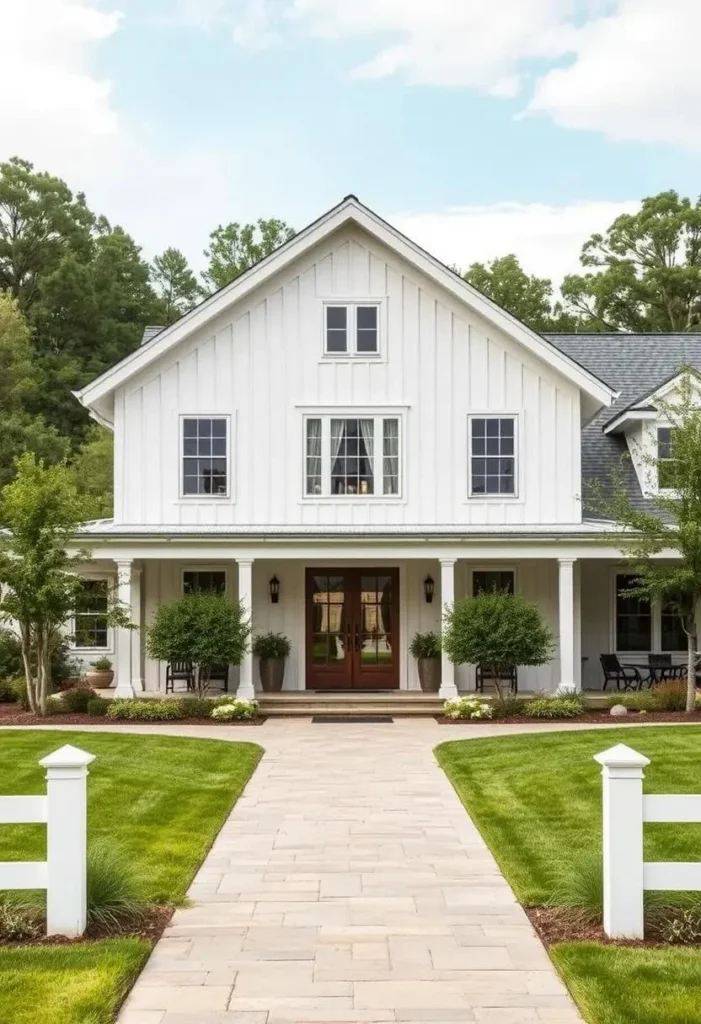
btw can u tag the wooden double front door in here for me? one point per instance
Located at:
(352, 629)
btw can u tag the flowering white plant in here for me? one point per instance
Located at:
(468, 707)
(234, 709)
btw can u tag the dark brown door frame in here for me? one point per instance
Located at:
(351, 673)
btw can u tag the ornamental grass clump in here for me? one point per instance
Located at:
(468, 708)
(498, 631)
(555, 706)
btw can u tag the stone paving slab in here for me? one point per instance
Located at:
(349, 885)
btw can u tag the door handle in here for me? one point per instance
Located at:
(349, 639)
(357, 638)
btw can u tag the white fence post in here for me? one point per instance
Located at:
(66, 840)
(622, 772)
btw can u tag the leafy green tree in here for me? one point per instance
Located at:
(40, 222)
(234, 248)
(40, 512)
(675, 524)
(528, 298)
(93, 469)
(175, 284)
(203, 629)
(498, 631)
(646, 270)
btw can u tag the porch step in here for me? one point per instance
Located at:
(304, 703)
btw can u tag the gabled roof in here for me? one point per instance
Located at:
(97, 394)
(637, 366)
(643, 407)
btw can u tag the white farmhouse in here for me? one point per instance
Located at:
(349, 436)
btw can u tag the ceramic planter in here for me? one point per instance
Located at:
(272, 673)
(429, 674)
(99, 680)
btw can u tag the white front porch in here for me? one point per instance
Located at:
(574, 598)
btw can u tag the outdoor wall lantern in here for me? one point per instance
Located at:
(428, 589)
(274, 590)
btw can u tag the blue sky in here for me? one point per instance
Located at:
(519, 125)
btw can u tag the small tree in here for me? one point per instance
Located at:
(498, 631)
(40, 512)
(204, 629)
(674, 526)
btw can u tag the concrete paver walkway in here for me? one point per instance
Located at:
(349, 884)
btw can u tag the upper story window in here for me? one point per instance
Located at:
(350, 456)
(352, 329)
(492, 456)
(205, 459)
(665, 462)
(90, 626)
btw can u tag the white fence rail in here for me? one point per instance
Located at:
(626, 809)
(64, 811)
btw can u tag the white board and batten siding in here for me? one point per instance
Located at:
(261, 364)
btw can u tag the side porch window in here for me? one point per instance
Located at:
(90, 627)
(204, 581)
(642, 626)
(485, 581)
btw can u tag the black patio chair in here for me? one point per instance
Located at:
(506, 674)
(218, 674)
(626, 677)
(179, 672)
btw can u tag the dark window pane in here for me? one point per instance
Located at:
(336, 317)
(204, 428)
(486, 580)
(219, 446)
(367, 341)
(189, 428)
(478, 446)
(478, 428)
(366, 317)
(336, 341)
(492, 428)
(633, 618)
(218, 428)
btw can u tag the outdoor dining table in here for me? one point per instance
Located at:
(655, 673)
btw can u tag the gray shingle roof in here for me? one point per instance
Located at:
(635, 365)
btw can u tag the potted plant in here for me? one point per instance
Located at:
(426, 648)
(271, 649)
(101, 675)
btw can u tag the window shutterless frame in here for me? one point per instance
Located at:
(351, 320)
(655, 615)
(387, 458)
(224, 495)
(202, 571)
(108, 648)
(472, 452)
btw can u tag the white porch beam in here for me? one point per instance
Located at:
(246, 689)
(137, 681)
(448, 688)
(124, 636)
(569, 676)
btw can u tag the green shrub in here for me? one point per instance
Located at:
(75, 701)
(556, 706)
(8, 694)
(19, 688)
(509, 707)
(11, 663)
(101, 664)
(134, 709)
(235, 709)
(643, 701)
(425, 645)
(670, 695)
(271, 645)
(196, 707)
(467, 708)
(20, 923)
(97, 707)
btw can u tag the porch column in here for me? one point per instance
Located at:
(137, 681)
(246, 690)
(448, 688)
(124, 636)
(569, 677)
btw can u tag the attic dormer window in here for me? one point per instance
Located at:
(665, 462)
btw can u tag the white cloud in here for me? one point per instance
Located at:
(546, 239)
(626, 68)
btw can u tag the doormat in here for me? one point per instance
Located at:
(351, 719)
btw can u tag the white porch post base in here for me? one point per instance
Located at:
(448, 688)
(569, 678)
(246, 689)
(124, 636)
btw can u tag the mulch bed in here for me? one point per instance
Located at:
(149, 926)
(562, 924)
(602, 717)
(11, 714)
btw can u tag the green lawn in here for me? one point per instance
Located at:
(537, 801)
(163, 799)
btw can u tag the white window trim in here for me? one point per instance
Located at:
(204, 568)
(517, 496)
(352, 355)
(655, 624)
(326, 414)
(492, 567)
(110, 648)
(667, 492)
(229, 495)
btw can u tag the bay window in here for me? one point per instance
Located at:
(350, 456)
